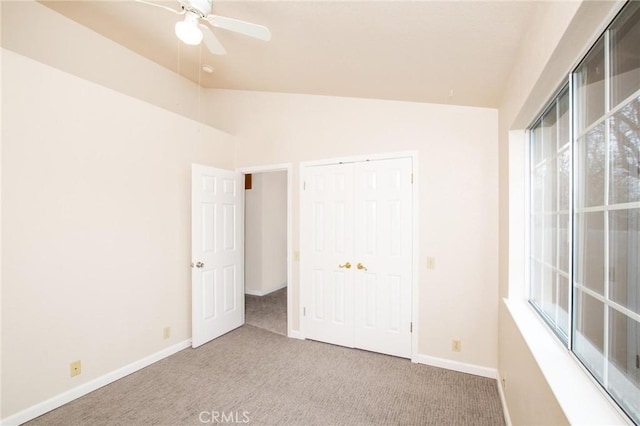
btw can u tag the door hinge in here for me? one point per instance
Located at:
(412, 178)
(637, 361)
(304, 311)
(304, 185)
(410, 327)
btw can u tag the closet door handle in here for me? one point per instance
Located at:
(361, 266)
(346, 265)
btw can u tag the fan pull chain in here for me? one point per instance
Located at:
(199, 111)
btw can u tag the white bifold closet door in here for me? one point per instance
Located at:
(357, 255)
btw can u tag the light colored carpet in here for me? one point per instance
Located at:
(268, 312)
(281, 381)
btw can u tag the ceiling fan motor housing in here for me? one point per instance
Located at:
(202, 7)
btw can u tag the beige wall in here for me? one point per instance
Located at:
(558, 35)
(96, 213)
(530, 401)
(266, 233)
(458, 202)
(274, 230)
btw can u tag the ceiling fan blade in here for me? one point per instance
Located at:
(177, 12)
(211, 41)
(252, 30)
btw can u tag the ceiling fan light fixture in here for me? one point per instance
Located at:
(188, 31)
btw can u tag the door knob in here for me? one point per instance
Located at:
(199, 265)
(346, 265)
(361, 266)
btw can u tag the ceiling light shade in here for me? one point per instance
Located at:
(188, 30)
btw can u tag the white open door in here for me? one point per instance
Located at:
(217, 247)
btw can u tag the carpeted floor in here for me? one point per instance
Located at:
(266, 379)
(268, 312)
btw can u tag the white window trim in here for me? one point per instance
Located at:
(580, 397)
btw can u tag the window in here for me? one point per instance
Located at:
(550, 214)
(585, 211)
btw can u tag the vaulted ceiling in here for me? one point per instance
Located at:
(450, 52)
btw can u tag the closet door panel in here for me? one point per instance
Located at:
(383, 255)
(327, 221)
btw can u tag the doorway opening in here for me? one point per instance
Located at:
(267, 248)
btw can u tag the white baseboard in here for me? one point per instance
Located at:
(503, 401)
(263, 293)
(462, 367)
(85, 388)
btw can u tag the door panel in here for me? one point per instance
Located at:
(327, 213)
(383, 245)
(217, 253)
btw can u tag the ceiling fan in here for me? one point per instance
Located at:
(192, 30)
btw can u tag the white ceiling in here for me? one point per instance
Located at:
(450, 52)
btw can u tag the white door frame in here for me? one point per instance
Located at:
(286, 167)
(416, 234)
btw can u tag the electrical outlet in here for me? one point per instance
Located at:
(75, 368)
(456, 345)
(504, 383)
(431, 263)
(167, 332)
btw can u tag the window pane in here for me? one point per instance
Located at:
(624, 145)
(624, 37)
(589, 251)
(550, 186)
(550, 213)
(588, 342)
(589, 167)
(564, 180)
(536, 236)
(624, 374)
(550, 133)
(624, 258)
(589, 88)
(564, 136)
(564, 245)
(537, 183)
(563, 305)
(548, 291)
(549, 240)
(536, 144)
